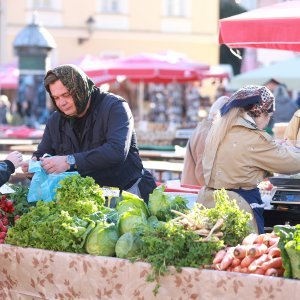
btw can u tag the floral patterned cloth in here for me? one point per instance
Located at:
(27, 273)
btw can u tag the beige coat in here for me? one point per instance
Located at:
(292, 132)
(242, 161)
(245, 156)
(192, 173)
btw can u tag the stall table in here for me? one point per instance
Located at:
(6, 143)
(161, 155)
(163, 166)
(27, 273)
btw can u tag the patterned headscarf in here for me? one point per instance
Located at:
(258, 98)
(79, 85)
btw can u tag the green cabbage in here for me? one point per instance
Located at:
(102, 239)
(293, 250)
(160, 204)
(131, 201)
(130, 220)
(128, 245)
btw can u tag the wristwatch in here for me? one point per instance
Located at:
(71, 161)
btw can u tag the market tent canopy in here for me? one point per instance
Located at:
(88, 63)
(287, 72)
(274, 27)
(9, 76)
(146, 67)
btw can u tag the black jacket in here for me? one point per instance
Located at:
(6, 169)
(106, 149)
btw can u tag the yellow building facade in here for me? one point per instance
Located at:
(116, 27)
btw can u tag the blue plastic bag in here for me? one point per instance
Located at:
(43, 186)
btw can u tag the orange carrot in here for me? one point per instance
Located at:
(227, 260)
(257, 250)
(273, 263)
(235, 262)
(257, 262)
(272, 272)
(246, 261)
(260, 238)
(219, 256)
(274, 252)
(240, 251)
(259, 271)
(273, 241)
(249, 239)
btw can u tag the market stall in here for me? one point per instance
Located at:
(41, 274)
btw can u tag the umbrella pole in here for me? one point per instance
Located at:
(141, 89)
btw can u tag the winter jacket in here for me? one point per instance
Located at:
(6, 169)
(107, 150)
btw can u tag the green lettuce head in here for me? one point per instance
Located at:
(102, 239)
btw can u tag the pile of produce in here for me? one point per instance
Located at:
(289, 245)
(192, 238)
(62, 224)
(12, 206)
(257, 254)
(165, 233)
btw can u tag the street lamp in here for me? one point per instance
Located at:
(90, 26)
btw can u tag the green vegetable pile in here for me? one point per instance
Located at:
(160, 204)
(289, 244)
(169, 244)
(19, 197)
(236, 222)
(61, 225)
(173, 244)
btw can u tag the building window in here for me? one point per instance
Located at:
(41, 4)
(175, 8)
(110, 6)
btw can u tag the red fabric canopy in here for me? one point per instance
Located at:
(275, 27)
(9, 76)
(151, 68)
(89, 63)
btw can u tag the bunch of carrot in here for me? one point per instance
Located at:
(258, 254)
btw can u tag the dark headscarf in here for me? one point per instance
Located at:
(259, 99)
(79, 85)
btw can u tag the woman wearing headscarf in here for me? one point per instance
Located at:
(91, 132)
(192, 172)
(238, 153)
(8, 166)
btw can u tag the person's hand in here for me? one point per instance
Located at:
(25, 165)
(16, 158)
(54, 164)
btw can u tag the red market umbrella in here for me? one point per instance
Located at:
(274, 27)
(215, 72)
(150, 68)
(145, 67)
(95, 67)
(9, 76)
